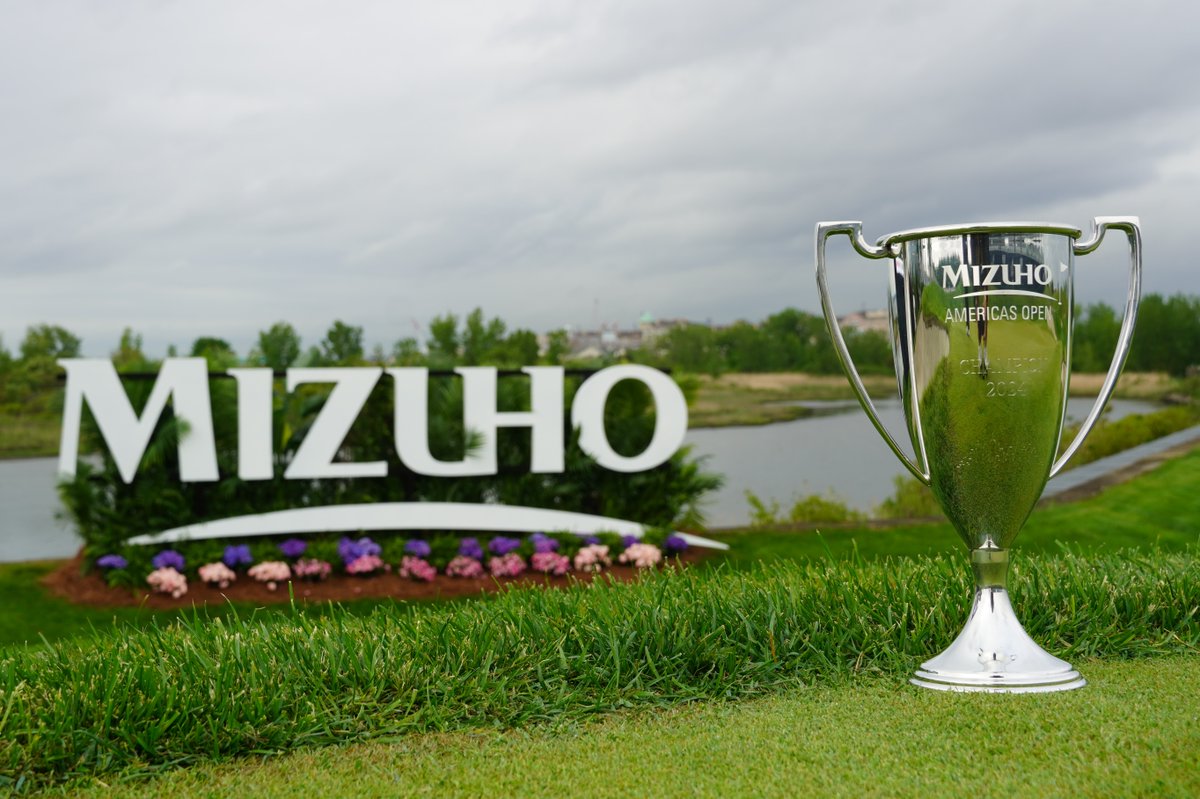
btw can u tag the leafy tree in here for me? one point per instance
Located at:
(1095, 338)
(342, 345)
(6, 359)
(870, 350)
(747, 348)
(217, 351)
(49, 342)
(557, 347)
(128, 356)
(520, 348)
(31, 383)
(279, 346)
(1167, 334)
(482, 341)
(407, 352)
(692, 348)
(443, 341)
(7, 367)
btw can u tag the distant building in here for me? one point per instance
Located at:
(612, 341)
(866, 320)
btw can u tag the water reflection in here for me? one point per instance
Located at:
(838, 450)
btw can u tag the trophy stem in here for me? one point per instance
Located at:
(993, 653)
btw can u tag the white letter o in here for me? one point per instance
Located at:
(670, 424)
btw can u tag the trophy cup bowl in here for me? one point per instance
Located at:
(980, 324)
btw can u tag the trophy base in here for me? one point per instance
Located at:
(994, 654)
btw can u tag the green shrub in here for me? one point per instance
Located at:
(814, 508)
(912, 499)
(107, 511)
(1108, 438)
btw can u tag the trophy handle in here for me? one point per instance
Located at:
(864, 248)
(1131, 226)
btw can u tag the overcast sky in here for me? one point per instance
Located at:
(208, 168)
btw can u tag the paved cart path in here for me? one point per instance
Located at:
(1122, 466)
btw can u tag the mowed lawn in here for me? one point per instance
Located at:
(1133, 731)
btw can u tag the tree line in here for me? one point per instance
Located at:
(28, 380)
(1166, 339)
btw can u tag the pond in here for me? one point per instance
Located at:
(838, 451)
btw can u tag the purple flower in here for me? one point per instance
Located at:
(293, 548)
(350, 550)
(417, 548)
(237, 555)
(629, 540)
(501, 545)
(589, 540)
(111, 562)
(168, 559)
(543, 543)
(470, 548)
(674, 544)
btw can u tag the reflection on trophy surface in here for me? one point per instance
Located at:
(981, 334)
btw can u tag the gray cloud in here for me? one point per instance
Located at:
(194, 168)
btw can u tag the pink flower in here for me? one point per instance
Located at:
(509, 565)
(462, 566)
(364, 564)
(217, 574)
(592, 558)
(416, 568)
(270, 572)
(643, 556)
(551, 563)
(311, 569)
(167, 581)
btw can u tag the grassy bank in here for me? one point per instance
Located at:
(1158, 509)
(28, 436)
(763, 398)
(200, 691)
(864, 737)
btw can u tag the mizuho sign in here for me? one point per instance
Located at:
(184, 382)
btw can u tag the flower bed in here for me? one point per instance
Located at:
(322, 568)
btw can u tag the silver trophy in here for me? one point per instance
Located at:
(981, 319)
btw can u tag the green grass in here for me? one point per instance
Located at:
(124, 705)
(727, 400)
(1160, 509)
(198, 691)
(23, 436)
(724, 401)
(864, 737)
